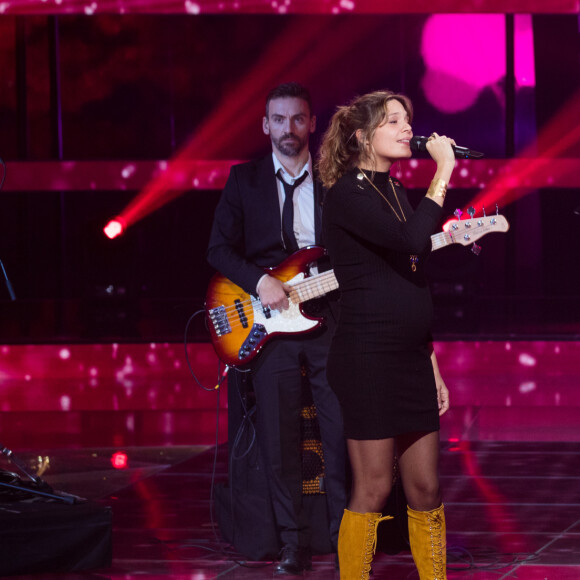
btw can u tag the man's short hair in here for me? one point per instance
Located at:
(289, 90)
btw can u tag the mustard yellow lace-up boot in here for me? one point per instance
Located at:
(428, 546)
(357, 543)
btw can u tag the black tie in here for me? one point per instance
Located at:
(288, 212)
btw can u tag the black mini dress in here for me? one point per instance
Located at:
(379, 363)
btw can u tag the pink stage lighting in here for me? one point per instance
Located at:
(114, 228)
(119, 460)
(459, 58)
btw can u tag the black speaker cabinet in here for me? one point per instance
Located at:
(40, 536)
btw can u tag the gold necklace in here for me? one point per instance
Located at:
(413, 258)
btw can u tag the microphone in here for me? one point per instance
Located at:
(420, 144)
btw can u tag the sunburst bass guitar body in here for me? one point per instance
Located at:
(240, 325)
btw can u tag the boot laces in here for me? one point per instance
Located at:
(435, 528)
(371, 543)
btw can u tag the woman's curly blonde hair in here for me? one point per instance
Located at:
(341, 149)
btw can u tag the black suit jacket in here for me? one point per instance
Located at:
(246, 235)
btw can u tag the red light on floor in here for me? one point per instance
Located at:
(119, 460)
(114, 228)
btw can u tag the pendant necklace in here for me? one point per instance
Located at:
(413, 258)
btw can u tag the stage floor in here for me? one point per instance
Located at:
(509, 475)
(512, 512)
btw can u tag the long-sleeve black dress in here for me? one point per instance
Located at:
(379, 363)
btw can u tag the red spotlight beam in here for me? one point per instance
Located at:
(527, 172)
(243, 106)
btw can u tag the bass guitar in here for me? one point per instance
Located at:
(240, 325)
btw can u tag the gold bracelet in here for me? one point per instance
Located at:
(438, 188)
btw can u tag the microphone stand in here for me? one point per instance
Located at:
(44, 489)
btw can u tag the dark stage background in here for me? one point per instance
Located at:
(95, 91)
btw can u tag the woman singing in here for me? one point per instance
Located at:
(382, 364)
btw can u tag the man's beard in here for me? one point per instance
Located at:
(290, 148)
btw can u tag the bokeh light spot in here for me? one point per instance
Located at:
(463, 54)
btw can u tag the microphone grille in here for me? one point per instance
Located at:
(418, 143)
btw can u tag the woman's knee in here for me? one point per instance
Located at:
(423, 497)
(372, 491)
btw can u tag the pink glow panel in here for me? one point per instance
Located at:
(140, 394)
(212, 175)
(195, 7)
(108, 377)
(525, 71)
(156, 377)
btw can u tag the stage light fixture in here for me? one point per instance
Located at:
(114, 228)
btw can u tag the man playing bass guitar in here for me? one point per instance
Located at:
(270, 208)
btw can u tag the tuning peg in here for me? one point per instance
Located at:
(458, 213)
(471, 211)
(483, 210)
(476, 249)
(496, 209)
